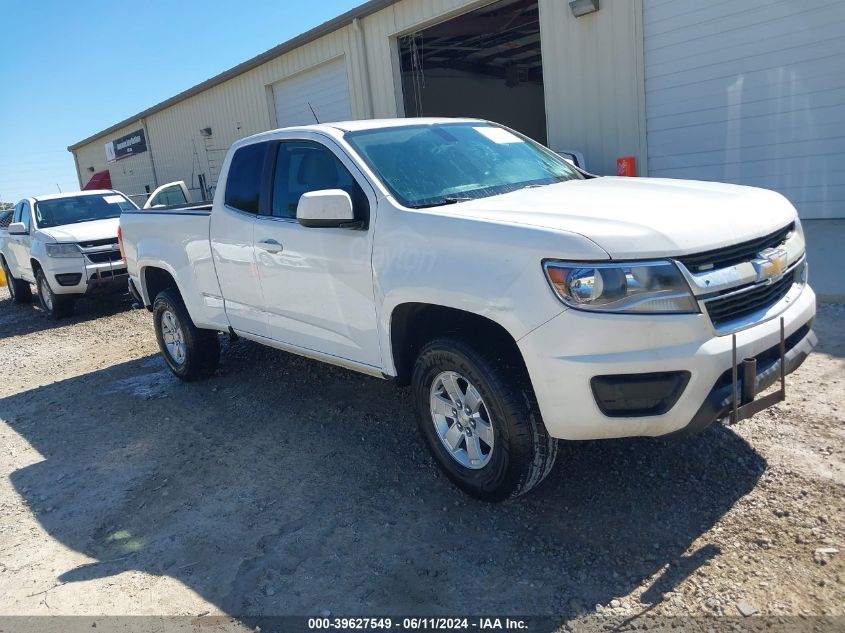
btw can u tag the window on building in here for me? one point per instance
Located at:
(303, 166)
(243, 184)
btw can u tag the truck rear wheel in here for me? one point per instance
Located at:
(56, 306)
(190, 352)
(19, 289)
(480, 421)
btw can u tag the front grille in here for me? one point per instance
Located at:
(735, 306)
(103, 257)
(108, 274)
(730, 255)
(93, 243)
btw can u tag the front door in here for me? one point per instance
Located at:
(19, 245)
(317, 283)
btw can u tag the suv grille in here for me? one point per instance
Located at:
(730, 255)
(748, 301)
(104, 256)
(93, 243)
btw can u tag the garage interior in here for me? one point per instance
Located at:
(485, 64)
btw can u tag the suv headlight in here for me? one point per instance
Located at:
(63, 250)
(633, 287)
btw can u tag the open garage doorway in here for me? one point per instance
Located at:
(485, 64)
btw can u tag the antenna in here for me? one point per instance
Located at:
(59, 188)
(312, 112)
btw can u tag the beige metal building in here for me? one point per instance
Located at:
(739, 91)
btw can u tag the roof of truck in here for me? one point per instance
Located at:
(73, 194)
(339, 127)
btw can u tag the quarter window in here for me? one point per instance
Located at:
(303, 166)
(243, 184)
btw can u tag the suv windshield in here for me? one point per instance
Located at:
(430, 165)
(77, 209)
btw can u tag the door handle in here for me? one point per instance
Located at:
(271, 246)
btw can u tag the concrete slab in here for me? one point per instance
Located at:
(826, 255)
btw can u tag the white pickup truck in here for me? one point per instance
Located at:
(524, 300)
(65, 244)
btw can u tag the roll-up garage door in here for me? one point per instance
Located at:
(324, 89)
(750, 92)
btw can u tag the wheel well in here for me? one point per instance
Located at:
(156, 280)
(36, 266)
(412, 325)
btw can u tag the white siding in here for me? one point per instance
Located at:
(751, 92)
(593, 99)
(592, 71)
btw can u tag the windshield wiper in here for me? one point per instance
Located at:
(440, 203)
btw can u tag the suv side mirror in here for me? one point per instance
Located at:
(17, 228)
(328, 208)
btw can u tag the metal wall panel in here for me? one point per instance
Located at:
(129, 175)
(749, 92)
(591, 69)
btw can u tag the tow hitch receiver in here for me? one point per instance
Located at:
(750, 404)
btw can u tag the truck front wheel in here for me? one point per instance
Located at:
(190, 352)
(480, 421)
(56, 306)
(18, 288)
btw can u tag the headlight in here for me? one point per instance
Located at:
(63, 250)
(651, 287)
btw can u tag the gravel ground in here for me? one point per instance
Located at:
(284, 486)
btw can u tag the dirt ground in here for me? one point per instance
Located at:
(284, 486)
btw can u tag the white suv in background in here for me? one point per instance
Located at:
(65, 244)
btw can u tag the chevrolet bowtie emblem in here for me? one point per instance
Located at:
(770, 264)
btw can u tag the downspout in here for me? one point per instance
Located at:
(78, 173)
(362, 46)
(150, 151)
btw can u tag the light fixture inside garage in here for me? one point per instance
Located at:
(583, 7)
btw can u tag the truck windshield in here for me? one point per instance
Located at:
(77, 209)
(431, 165)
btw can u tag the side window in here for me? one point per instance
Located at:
(169, 196)
(303, 166)
(16, 217)
(26, 215)
(243, 184)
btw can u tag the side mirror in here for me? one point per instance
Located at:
(17, 228)
(328, 208)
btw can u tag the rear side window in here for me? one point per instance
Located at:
(243, 184)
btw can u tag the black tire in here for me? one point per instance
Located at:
(201, 348)
(522, 454)
(56, 306)
(19, 289)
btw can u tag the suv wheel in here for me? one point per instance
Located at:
(190, 352)
(56, 306)
(480, 421)
(19, 289)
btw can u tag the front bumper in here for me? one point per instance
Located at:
(93, 279)
(565, 354)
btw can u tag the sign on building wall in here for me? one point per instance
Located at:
(125, 146)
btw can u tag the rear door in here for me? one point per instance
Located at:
(317, 283)
(232, 231)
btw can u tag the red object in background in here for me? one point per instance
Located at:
(100, 180)
(626, 166)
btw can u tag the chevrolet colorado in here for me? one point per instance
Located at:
(65, 244)
(524, 300)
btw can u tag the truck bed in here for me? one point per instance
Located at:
(176, 239)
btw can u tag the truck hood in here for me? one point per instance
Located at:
(637, 218)
(83, 231)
